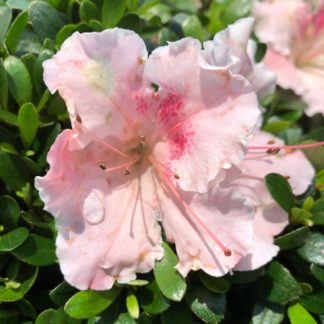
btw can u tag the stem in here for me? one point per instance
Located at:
(300, 146)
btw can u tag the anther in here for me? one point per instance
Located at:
(102, 166)
(127, 172)
(290, 150)
(227, 252)
(78, 119)
(287, 177)
(273, 151)
(176, 176)
(270, 142)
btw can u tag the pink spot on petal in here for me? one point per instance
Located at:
(170, 110)
(180, 144)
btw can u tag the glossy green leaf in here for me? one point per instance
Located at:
(62, 293)
(26, 278)
(318, 272)
(268, 314)
(15, 30)
(9, 211)
(284, 288)
(152, 300)
(215, 284)
(64, 33)
(313, 249)
(8, 118)
(317, 211)
(280, 190)
(28, 123)
(132, 305)
(3, 86)
(192, 28)
(292, 239)
(38, 70)
(171, 283)
(19, 81)
(314, 303)
(49, 316)
(13, 171)
(5, 18)
(13, 239)
(131, 21)
(206, 305)
(315, 155)
(112, 12)
(88, 11)
(18, 4)
(298, 314)
(125, 318)
(37, 250)
(45, 19)
(26, 308)
(85, 304)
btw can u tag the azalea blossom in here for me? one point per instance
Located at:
(294, 32)
(137, 157)
(270, 219)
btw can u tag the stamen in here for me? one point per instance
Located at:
(273, 151)
(102, 166)
(78, 119)
(176, 176)
(127, 172)
(226, 251)
(287, 177)
(271, 142)
(286, 147)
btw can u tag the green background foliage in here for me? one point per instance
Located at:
(32, 289)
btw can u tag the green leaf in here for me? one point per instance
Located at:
(267, 314)
(28, 123)
(208, 306)
(5, 18)
(9, 211)
(132, 305)
(13, 239)
(314, 303)
(15, 30)
(60, 294)
(13, 171)
(318, 272)
(192, 27)
(276, 126)
(45, 19)
(298, 314)
(132, 22)
(215, 284)
(293, 239)
(38, 70)
(26, 308)
(284, 288)
(18, 4)
(171, 283)
(315, 155)
(301, 217)
(85, 304)
(8, 118)
(49, 316)
(280, 190)
(19, 81)
(88, 11)
(64, 33)
(177, 313)
(26, 277)
(112, 12)
(124, 318)
(317, 211)
(36, 250)
(313, 249)
(3, 85)
(152, 300)
(236, 9)
(242, 277)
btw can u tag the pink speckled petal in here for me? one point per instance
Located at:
(97, 74)
(97, 214)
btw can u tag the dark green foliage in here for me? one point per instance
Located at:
(32, 289)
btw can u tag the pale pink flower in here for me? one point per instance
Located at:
(295, 37)
(270, 219)
(136, 157)
(233, 49)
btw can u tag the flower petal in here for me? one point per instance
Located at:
(96, 215)
(219, 216)
(97, 75)
(202, 146)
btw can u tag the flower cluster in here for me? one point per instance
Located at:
(170, 139)
(294, 32)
